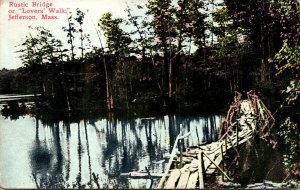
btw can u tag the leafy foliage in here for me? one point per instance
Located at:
(117, 39)
(288, 60)
(190, 22)
(233, 42)
(290, 132)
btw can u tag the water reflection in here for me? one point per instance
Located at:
(92, 153)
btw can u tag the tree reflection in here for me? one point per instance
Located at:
(150, 146)
(68, 135)
(102, 149)
(79, 152)
(46, 163)
(40, 156)
(88, 152)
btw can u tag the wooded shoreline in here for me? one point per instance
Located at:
(182, 56)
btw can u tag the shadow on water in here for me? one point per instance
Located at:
(14, 110)
(93, 153)
(47, 161)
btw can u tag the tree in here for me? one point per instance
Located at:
(190, 22)
(190, 26)
(142, 43)
(117, 39)
(70, 35)
(163, 24)
(233, 47)
(257, 17)
(118, 43)
(79, 19)
(40, 53)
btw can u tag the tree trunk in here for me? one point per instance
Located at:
(109, 98)
(170, 80)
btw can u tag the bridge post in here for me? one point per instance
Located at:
(201, 169)
(180, 143)
(237, 135)
(226, 144)
(223, 163)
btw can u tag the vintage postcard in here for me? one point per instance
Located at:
(143, 94)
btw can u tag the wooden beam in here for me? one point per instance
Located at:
(173, 153)
(171, 182)
(183, 180)
(192, 181)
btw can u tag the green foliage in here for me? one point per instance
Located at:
(79, 19)
(70, 30)
(288, 12)
(177, 23)
(118, 40)
(289, 131)
(41, 48)
(142, 29)
(190, 21)
(163, 38)
(223, 19)
(288, 60)
(163, 22)
(233, 42)
(292, 92)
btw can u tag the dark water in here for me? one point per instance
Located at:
(63, 154)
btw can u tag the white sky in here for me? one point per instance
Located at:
(12, 33)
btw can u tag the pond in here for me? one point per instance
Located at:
(93, 153)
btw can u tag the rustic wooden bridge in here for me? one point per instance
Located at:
(190, 168)
(16, 97)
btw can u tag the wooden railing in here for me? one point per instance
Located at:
(236, 131)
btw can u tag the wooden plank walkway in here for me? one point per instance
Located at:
(186, 169)
(14, 97)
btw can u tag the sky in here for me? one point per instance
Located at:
(13, 32)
